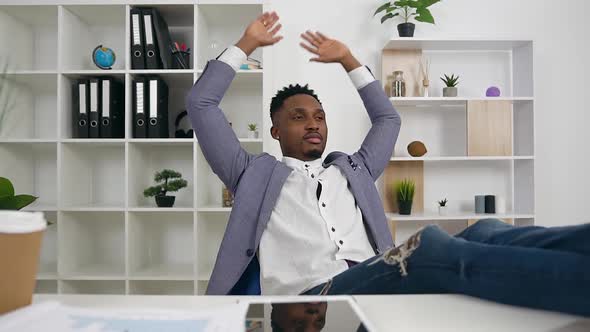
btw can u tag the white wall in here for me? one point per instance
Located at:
(560, 63)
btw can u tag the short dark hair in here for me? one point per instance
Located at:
(288, 91)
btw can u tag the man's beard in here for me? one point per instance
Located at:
(314, 154)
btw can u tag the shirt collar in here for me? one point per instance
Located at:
(301, 165)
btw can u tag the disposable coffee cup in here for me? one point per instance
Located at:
(21, 234)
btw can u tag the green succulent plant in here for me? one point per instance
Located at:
(418, 9)
(450, 82)
(252, 127)
(169, 185)
(404, 190)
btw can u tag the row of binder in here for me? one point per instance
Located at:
(150, 40)
(98, 108)
(150, 108)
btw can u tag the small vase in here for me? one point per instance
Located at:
(442, 210)
(165, 201)
(406, 29)
(405, 207)
(450, 92)
(425, 84)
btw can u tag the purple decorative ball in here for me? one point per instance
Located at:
(493, 92)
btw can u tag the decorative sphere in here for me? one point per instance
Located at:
(493, 92)
(103, 57)
(417, 149)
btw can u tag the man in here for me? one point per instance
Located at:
(303, 225)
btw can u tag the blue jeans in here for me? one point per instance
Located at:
(535, 267)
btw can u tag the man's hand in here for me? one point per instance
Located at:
(261, 32)
(328, 50)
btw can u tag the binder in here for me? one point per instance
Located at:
(158, 108)
(137, 40)
(163, 39)
(112, 117)
(80, 109)
(140, 103)
(95, 109)
(152, 54)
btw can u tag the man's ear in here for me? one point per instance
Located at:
(274, 132)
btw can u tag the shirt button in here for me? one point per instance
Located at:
(333, 229)
(249, 252)
(306, 165)
(341, 242)
(312, 176)
(323, 204)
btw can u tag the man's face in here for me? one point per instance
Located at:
(300, 127)
(300, 317)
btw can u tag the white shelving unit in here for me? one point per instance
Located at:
(106, 237)
(441, 123)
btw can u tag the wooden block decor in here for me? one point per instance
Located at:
(407, 61)
(489, 128)
(397, 171)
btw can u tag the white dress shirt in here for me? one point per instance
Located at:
(309, 238)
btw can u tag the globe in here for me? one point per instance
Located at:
(103, 57)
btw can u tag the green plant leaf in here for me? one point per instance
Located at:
(21, 201)
(427, 3)
(403, 3)
(424, 15)
(176, 185)
(152, 191)
(388, 16)
(6, 187)
(382, 8)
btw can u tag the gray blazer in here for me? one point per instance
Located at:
(256, 180)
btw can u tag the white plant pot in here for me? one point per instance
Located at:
(450, 92)
(443, 210)
(252, 134)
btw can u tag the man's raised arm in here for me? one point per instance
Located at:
(217, 139)
(378, 145)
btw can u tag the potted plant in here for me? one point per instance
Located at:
(172, 181)
(10, 201)
(407, 9)
(404, 191)
(442, 207)
(7, 94)
(451, 85)
(252, 130)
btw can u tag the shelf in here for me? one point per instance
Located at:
(92, 245)
(47, 267)
(162, 71)
(162, 141)
(46, 287)
(32, 34)
(463, 158)
(161, 287)
(84, 27)
(158, 209)
(220, 25)
(161, 245)
(93, 287)
(147, 159)
(97, 142)
(214, 209)
(433, 216)
(96, 208)
(32, 169)
(93, 175)
(451, 103)
(34, 106)
(76, 73)
(457, 44)
(210, 230)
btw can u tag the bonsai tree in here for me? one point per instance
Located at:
(407, 9)
(171, 181)
(404, 191)
(10, 201)
(451, 85)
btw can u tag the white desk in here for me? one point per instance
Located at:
(387, 312)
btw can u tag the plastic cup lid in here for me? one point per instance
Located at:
(21, 222)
